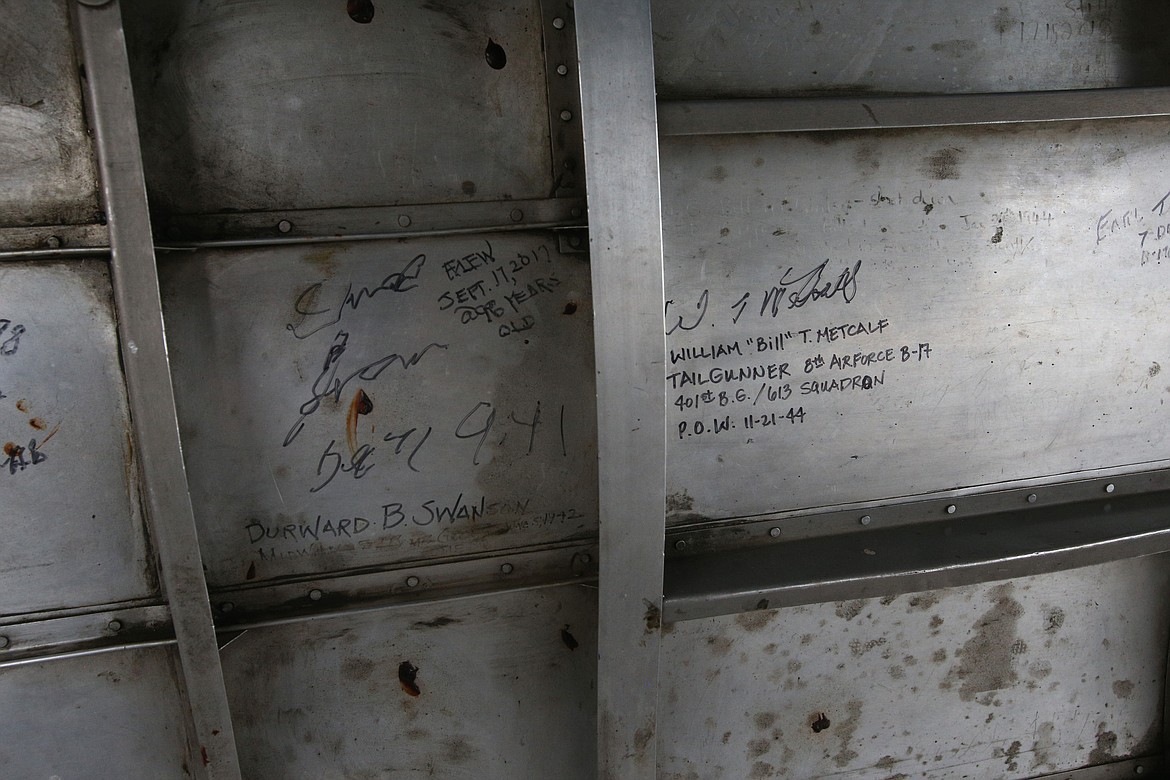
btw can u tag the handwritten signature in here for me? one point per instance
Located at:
(396, 281)
(328, 385)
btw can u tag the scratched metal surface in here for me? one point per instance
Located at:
(408, 415)
(73, 531)
(46, 161)
(116, 716)
(1009, 680)
(1006, 284)
(496, 686)
(265, 106)
(768, 49)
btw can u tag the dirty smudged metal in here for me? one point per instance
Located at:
(406, 690)
(1014, 680)
(46, 160)
(760, 49)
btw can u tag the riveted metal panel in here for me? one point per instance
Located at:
(1012, 680)
(766, 49)
(114, 716)
(73, 531)
(265, 106)
(360, 404)
(46, 162)
(499, 686)
(862, 316)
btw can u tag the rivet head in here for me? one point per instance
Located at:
(866, 519)
(559, 23)
(226, 606)
(114, 625)
(773, 532)
(562, 70)
(681, 544)
(284, 226)
(403, 221)
(1032, 498)
(1139, 769)
(4, 642)
(506, 568)
(575, 242)
(516, 215)
(412, 581)
(53, 242)
(951, 509)
(566, 115)
(315, 594)
(1110, 488)
(586, 558)
(575, 212)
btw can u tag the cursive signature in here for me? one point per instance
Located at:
(396, 281)
(328, 385)
(797, 291)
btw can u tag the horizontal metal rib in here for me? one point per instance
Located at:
(888, 561)
(789, 115)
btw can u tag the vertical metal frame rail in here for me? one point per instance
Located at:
(148, 379)
(618, 116)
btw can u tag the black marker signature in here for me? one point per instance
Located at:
(327, 385)
(809, 287)
(398, 281)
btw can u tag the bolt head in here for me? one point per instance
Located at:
(773, 532)
(559, 23)
(562, 70)
(866, 519)
(412, 581)
(1032, 498)
(681, 544)
(1110, 488)
(951, 509)
(506, 568)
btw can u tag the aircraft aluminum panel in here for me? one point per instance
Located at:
(863, 316)
(1015, 679)
(363, 404)
(768, 49)
(495, 686)
(74, 533)
(46, 161)
(113, 716)
(302, 105)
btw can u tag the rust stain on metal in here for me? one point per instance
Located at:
(1106, 748)
(22, 405)
(11, 449)
(653, 616)
(407, 677)
(755, 621)
(360, 405)
(38, 423)
(850, 609)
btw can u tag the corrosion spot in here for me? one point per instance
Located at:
(251, 574)
(569, 640)
(1122, 688)
(361, 11)
(998, 235)
(1106, 746)
(495, 55)
(407, 674)
(653, 616)
(38, 423)
(679, 502)
(1155, 369)
(22, 405)
(468, 188)
(820, 723)
(360, 405)
(11, 449)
